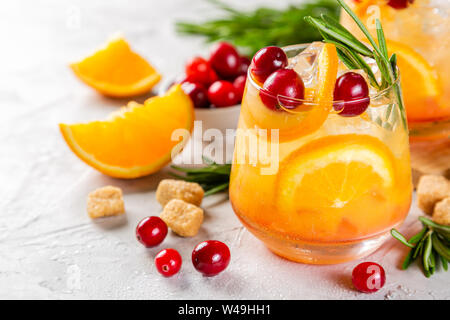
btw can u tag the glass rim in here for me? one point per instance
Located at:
(375, 96)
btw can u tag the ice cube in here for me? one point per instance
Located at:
(305, 63)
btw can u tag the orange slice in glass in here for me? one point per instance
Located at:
(332, 187)
(420, 82)
(135, 141)
(117, 71)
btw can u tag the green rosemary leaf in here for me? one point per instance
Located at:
(216, 189)
(360, 25)
(408, 260)
(418, 248)
(440, 247)
(335, 34)
(427, 252)
(429, 245)
(347, 34)
(416, 238)
(213, 177)
(341, 55)
(393, 61)
(444, 263)
(439, 228)
(397, 235)
(386, 79)
(432, 262)
(252, 30)
(381, 39)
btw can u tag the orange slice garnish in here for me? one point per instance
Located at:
(117, 71)
(135, 141)
(334, 185)
(420, 81)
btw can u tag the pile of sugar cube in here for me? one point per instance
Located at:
(181, 202)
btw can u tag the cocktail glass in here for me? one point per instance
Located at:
(315, 186)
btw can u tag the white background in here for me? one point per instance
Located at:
(49, 248)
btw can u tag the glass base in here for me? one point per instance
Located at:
(320, 253)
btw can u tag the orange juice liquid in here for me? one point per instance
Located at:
(334, 188)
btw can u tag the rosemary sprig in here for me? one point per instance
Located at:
(432, 243)
(261, 27)
(351, 51)
(213, 177)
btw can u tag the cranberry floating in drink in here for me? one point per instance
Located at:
(266, 61)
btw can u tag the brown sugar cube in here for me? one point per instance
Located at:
(105, 202)
(169, 189)
(183, 218)
(430, 190)
(441, 212)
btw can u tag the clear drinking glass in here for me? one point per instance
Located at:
(419, 33)
(317, 187)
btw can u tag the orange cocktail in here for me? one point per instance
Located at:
(419, 32)
(315, 182)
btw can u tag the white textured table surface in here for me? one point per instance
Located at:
(49, 248)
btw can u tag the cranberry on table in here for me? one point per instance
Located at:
(168, 262)
(368, 277)
(266, 61)
(244, 65)
(239, 85)
(351, 88)
(199, 70)
(399, 4)
(283, 82)
(197, 93)
(211, 257)
(151, 231)
(225, 60)
(222, 94)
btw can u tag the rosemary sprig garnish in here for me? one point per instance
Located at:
(351, 51)
(262, 27)
(213, 177)
(432, 244)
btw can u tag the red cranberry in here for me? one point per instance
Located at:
(244, 64)
(266, 61)
(197, 93)
(351, 86)
(222, 94)
(399, 4)
(239, 85)
(286, 83)
(199, 70)
(368, 277)
(151, 231)
(225, 60)
(211, 257)
(168, 262)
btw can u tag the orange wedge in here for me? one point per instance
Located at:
(420, 82)
(117, 71)
(332, 178)
(135, 141)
